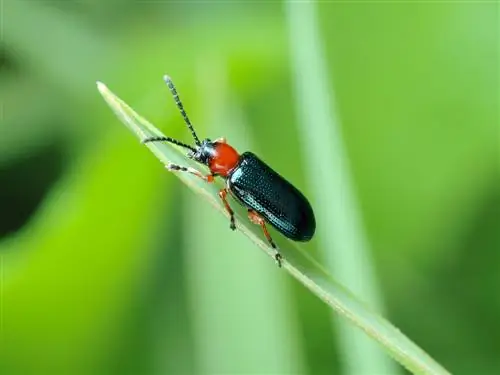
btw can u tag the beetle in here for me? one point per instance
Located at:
(268, 197)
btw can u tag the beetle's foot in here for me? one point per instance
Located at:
(232, 225)
(172, 167)
(279, 258)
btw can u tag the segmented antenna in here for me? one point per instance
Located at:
(178, 102)
(168, 139)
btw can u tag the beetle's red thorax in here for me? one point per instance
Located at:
(224, 160)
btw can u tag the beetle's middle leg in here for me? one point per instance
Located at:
(259, 220)
(223, 196)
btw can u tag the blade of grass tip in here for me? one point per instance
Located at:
(339, 226)
(348, 256)
(165, 152)
(297, 262)
(236, 294)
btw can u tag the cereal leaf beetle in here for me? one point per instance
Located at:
(268, 197)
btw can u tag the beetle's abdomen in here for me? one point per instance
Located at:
(281, 204)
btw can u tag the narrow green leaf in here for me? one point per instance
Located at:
(296, 261)
(266, 330)
(340, 232)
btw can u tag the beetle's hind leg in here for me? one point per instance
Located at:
(223, 196)
(259, 220)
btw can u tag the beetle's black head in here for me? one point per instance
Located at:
(204, 152)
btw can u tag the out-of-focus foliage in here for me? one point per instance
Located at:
(107, 265)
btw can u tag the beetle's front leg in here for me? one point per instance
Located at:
(223, 196)
(177, 168)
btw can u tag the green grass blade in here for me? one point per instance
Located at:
(217, 277)
(340, 233)
(296, 261)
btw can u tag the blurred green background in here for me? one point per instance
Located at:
(109, 265)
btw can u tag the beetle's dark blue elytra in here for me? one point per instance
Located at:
(267, 196)
(260, 188)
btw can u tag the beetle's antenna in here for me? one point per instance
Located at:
(168, 139)
(178, 102)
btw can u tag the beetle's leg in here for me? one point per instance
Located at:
(177, 168)
(259, 220)
(223, 196)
